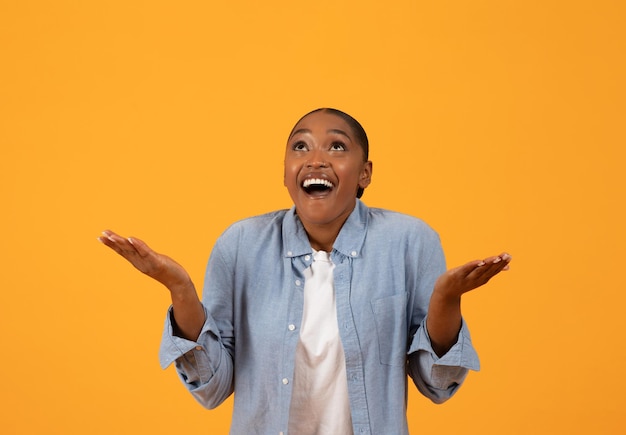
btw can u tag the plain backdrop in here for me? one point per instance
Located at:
(500, 123)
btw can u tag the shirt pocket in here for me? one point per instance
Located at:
(390, 318)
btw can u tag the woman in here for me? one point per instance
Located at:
(315, 315)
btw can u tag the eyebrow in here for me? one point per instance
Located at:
(332, 130)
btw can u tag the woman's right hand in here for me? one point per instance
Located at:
(158, 266)
(188, 312)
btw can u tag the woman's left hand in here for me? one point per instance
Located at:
(459, 280)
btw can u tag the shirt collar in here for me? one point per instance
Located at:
(349, 241)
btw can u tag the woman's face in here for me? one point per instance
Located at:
(324, 167)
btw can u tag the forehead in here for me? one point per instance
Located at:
(322, 122)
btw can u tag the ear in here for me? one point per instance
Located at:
(366, 175)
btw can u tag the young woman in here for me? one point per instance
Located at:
(314, 316)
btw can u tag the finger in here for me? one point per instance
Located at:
(140, 246)
(492, 266)
(118, 243)
(112, 236)
(107, 238)
(506, 259)
(492, 260)
(467, 268)
(502, 259)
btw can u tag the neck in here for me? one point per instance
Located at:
(322, 236)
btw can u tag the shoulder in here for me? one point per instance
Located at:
(259, 221)
(256, 224)
(398, 223)
(410, 237)
(252, 230)
(400, 232)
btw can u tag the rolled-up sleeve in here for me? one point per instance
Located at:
(438, 378)
(205, 366)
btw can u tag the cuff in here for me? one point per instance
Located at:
(461, 354)
(173, 347)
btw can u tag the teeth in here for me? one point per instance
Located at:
(319, 181)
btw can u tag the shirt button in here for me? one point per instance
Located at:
(298, 282)
(285, 381)
(198, 347)
(353, 253)
(292, 327)
(289, 253)
(307, 257)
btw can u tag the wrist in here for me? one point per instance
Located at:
(181, 288)
(444, 296)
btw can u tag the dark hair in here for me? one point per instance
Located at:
(356, 127)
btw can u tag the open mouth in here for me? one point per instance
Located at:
(317, 186)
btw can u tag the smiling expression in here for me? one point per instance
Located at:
(324, 167)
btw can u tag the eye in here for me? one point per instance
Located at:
(299, 146)
(337, 146)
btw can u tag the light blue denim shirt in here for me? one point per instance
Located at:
(386, 266)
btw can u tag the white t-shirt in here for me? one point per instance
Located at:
(319, 403)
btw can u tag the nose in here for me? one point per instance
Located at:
(316, 160)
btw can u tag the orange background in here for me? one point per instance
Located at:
(501, 123)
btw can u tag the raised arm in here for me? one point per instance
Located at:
(444, 312)
(187, 309)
